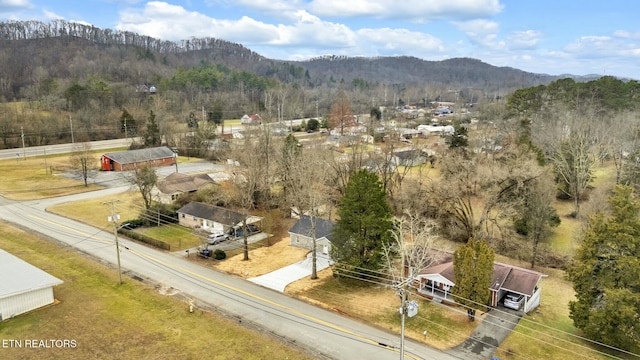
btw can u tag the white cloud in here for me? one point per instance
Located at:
(523, 40)
(15, 4)
(172, 22)
(626, 34)
(416, 10)
(481, 32)
(399, 42)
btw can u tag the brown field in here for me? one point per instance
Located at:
(128, 321)
(35, 178)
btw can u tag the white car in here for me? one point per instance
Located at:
(217, 238)
(513, 301)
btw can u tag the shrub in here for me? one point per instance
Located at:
(219, 254)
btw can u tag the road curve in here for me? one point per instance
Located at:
(324, 333)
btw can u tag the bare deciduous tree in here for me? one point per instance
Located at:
(309, 191)
(83, 160)
(144, 178)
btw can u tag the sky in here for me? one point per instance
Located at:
(556, 37)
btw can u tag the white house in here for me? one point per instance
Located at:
(438, 280)
(23, 287)
(213, 219)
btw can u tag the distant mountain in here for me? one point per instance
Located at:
(455, 73)
(33, 51)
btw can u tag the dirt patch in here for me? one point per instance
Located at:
(263, 260)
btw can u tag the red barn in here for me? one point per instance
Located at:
(132, 159)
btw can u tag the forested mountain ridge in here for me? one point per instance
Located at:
(32, 50)
(455, 72)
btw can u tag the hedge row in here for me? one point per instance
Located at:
(145, 239)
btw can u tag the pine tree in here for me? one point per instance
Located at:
(152, 134)
(364, 224)
(606, 275)
(473, 270)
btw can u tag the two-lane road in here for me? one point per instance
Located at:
(324, 333)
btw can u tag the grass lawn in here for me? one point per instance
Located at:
(129, 321)
(445, 326)
(95, 212)
(128, 205)
(179, 237)
(550, 327)
(34, 178)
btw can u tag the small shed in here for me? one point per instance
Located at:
(301, 234)
(132, 159)
(23, 287)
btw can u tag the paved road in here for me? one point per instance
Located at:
(60, 148)
(326, 334)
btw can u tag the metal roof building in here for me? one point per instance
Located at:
(23, 287)
(131, 159)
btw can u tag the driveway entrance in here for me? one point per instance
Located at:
(279, 279)
(486, 338)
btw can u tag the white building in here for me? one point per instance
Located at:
(23, 287)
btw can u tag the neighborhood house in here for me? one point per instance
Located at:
(301, 234)
(437, 282)
(213, 219)
(170, 188)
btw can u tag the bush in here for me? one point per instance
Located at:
(145, 239)
(219, 254)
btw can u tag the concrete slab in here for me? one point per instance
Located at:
(279, 279)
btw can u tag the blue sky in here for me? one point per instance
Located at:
(555, 37)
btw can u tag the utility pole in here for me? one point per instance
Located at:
(114, 219)
(175, 158)
(24, 151)
(71, 126)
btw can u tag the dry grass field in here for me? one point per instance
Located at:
(129, 321)
(445, 326)
(35, 178)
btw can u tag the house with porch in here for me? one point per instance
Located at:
(212, 219)
(437, 282)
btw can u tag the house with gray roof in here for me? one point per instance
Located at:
(171, 187)
(301, 234)
(133, 159)
(23, 287)
(437, 281)
(213, 219)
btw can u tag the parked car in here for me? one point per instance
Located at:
(513, 301)
(251, 229)
(217, 238)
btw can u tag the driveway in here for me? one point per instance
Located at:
(486, 338)
(279, 279)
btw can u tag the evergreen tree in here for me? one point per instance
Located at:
(606, 275)
(473, 270)
(127, 124)
(364, 225)
(151, 136)
(459, 139)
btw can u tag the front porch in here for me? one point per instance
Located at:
(438, 292)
